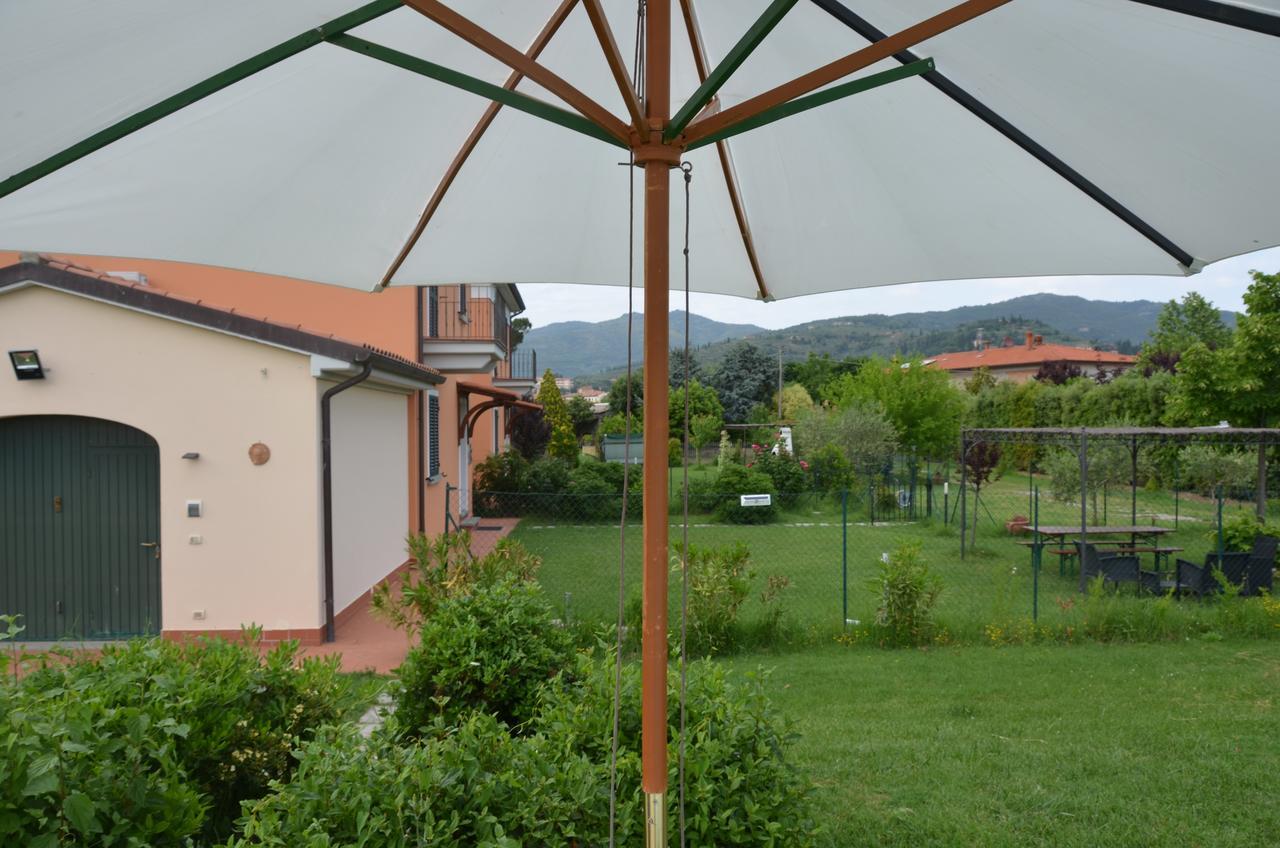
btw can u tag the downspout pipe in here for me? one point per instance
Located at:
(326, 484)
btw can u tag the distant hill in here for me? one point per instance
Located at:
(1066, 319)
(574, 348)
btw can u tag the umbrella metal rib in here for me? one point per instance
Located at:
(843, 67)
(978, 109)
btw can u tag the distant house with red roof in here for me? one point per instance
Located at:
(1020, 362)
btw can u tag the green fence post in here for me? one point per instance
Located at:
(844, 558)
(1220, 541)
(1036, 553)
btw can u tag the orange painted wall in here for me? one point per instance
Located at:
(361, 316)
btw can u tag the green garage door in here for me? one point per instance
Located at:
(79, 527)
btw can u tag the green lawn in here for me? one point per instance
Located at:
(1090, 746)
(993, 585)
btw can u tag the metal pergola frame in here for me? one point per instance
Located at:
(1131, 437)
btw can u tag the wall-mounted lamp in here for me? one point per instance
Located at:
(191, 455)
(26, 364)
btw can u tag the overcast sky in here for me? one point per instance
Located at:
(1223, 283)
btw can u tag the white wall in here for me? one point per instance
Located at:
(370, 454)
(193, 389)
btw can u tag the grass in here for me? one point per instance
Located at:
(993, 585)
(1090, 746)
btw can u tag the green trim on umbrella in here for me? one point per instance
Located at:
(457, 79)
(197, 92)
(811, 101)
(731, 62)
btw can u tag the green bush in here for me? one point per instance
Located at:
(830, 470)
(76, 769)
(735, 480)
(907, 592)
(741, 790)
(675, 453)
(548, 476)
(226, 716)
(788, 476)
(719, 583)
(1239, 531)
(703, 497)
(487, 651)
(444, 567)
(474, 785)
(502, 472)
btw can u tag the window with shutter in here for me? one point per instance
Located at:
(462, 299)
(433, 436)
(433, 312)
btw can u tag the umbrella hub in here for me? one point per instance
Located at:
(656, 150)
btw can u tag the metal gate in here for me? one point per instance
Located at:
(79, 527)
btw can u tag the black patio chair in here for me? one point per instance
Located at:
(1260, 571)
(1116, 568)
(1199, 580)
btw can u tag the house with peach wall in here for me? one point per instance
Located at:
(404, 440)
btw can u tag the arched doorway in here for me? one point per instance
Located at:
(79, 527)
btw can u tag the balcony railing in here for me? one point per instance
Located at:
(521, 365)
(451, 316)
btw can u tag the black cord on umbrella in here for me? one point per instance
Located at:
(687, 168)
(638, 76)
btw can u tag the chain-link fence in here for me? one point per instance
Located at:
(814, 559)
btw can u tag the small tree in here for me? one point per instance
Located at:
(563, 444)
(980, 461)
(703, 430)
(530, 432)
(617, 396)
(581, 415)
(1058, 372)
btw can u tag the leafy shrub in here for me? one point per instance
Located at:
(702, 497)
(786, 472)
(908, 592)
(829, 470)
(735, 480)
(487, 651)
(502, 472)
(548, 475)
(675, 453)
(224, 717)
(719, 583)
(741, 789)
(474, 785)
(77, 770)
(1239, 531)
(445, 567)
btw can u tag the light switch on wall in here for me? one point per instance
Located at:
(195, 509)
(196, 540)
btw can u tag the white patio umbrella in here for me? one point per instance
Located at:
(361, 148)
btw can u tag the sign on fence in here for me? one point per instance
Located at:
(755, 500)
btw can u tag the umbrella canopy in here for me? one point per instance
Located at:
(1053, 137)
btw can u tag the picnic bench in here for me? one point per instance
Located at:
(1141, 539)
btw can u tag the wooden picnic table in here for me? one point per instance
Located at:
(1143, 538)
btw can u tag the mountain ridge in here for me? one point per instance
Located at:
(1067, 319)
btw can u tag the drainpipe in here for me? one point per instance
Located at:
(422, 426)
(326, 467)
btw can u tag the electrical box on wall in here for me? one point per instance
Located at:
(195, 509)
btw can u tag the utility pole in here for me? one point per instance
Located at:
(779, 382)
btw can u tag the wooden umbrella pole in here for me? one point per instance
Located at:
(657, 159)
